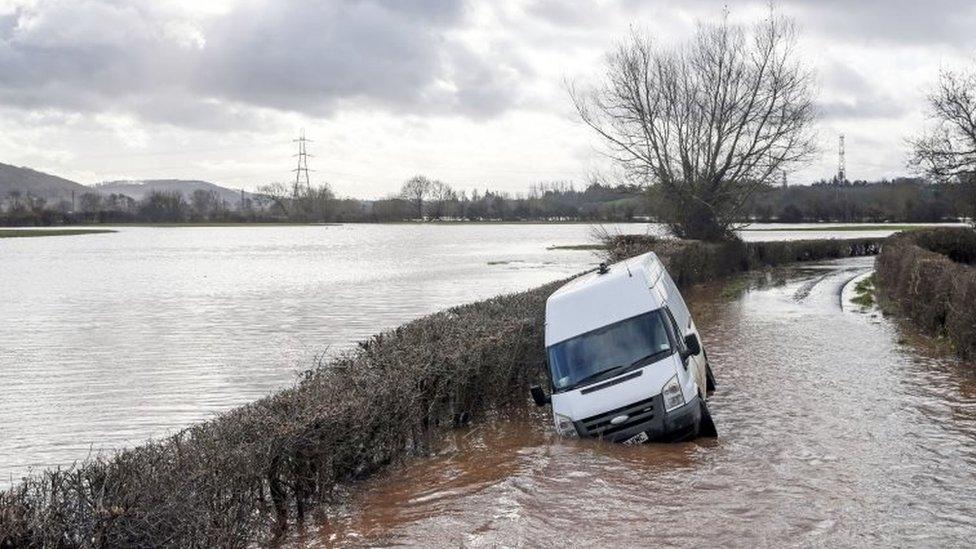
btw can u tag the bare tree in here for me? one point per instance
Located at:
(416, 190)
(91, 202)
(204, 202)
(316, 203)
(948, 151)
(443, 200)
(708, 123)
(276, 196)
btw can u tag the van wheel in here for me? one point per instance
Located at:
(709, 379)
(706, 427)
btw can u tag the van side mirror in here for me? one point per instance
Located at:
(539, 396)
(693, 345)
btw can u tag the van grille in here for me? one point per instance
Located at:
(600, 426)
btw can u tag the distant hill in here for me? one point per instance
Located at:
(140, 189)
(54, 189)
(37, 184)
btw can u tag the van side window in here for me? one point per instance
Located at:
(679, 334)
(681, 314)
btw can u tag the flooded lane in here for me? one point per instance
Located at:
(832, 432)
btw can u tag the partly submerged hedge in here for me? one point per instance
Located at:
(929, 277)
(692, 261)
(241, 478)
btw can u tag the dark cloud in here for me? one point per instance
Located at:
(315, 57)
(307, 57)
(403, 56)
(87, 55)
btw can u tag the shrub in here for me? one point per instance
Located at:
(243, 477)
(957, 243)
(925, 276)
(693, 261)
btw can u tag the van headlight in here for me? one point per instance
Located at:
(564, 426)
(673, 396)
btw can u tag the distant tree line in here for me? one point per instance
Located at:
(93, 207)
(424, 199)
(906, 200)
(420, 198)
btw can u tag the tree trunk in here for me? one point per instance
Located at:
(698, 222)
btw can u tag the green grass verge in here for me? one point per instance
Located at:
(736, 286)
(864, 292)
(26, 233)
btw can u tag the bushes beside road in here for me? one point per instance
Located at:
(692, 261)
(930, 277)
(239, 479)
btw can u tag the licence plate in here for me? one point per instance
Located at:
(639, 438)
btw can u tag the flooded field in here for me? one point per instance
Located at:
(834, 431)
(108, 339)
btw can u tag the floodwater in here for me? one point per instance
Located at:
(109, 339)
(833, 431)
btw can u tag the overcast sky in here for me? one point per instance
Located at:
(472, 93)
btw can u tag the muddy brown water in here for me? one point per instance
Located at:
(834, 431)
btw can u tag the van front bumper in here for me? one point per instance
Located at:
(653, 420)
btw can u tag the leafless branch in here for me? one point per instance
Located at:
(709, 122)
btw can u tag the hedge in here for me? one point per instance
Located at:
(929, 277)
(692, 261)
(243, 477)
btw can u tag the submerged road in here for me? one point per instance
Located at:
(834, 431)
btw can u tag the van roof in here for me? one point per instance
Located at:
(595, 300)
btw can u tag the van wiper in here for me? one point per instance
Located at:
(603, 374)
(653, 357)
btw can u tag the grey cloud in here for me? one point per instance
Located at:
(8, 22)
(307, 57)
(403, 56)
(87, 55)
(315, 58)
(917, 22)
(443, 11)
(859, 97)
(563, 13)
(891, 21)
(193, 112)
(842, 77)
(873, 107)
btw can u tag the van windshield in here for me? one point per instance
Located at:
(609, 351)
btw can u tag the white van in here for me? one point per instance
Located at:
(625, 361)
